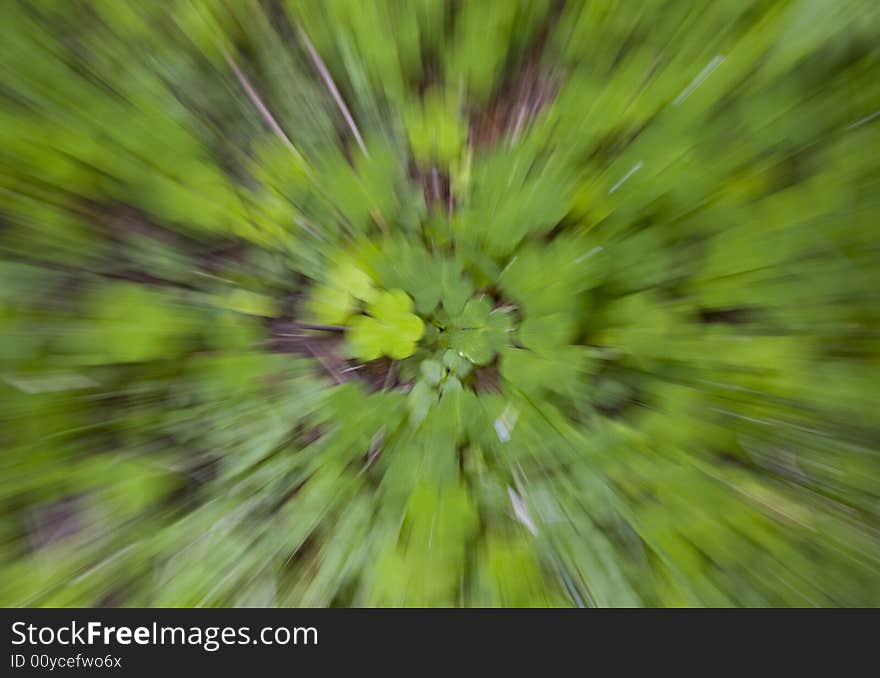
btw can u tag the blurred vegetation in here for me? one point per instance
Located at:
(440, 303)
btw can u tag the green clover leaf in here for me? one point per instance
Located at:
(390, 328)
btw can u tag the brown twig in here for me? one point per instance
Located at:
(263, 110)
(326, 365)
(375, 447)
(296, 325)
(389, 377)
(337, 97)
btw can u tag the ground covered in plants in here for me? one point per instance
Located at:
(440, 303)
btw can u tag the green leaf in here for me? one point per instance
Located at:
(534, 373)
(457, 364)
(452, 385)
(420, 401)
(545, 333)
(332, 303)
(390, 329)
(456, 289)
(432, 371)
(479, 332)
(348, 276)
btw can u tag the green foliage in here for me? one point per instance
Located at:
(431, 303)
(436, 133)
